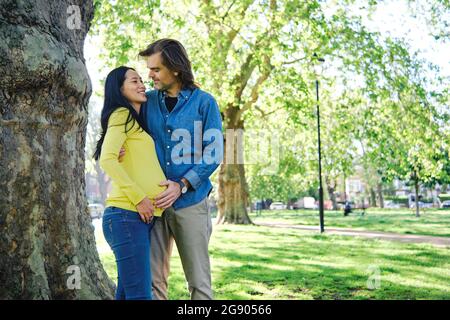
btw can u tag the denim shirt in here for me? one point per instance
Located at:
(188, 140)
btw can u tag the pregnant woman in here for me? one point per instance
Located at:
(128, 217)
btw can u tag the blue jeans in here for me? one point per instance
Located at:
(129, 239)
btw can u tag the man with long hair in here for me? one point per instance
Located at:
(186, 124)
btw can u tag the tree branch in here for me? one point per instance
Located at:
(255, 90)
(242, 78)
(267, 66)
(228, 10)
(266, 114)
(294, 61)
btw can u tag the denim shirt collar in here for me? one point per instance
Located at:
(183, 94)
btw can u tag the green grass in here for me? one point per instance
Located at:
(254, 262)
(432, 222)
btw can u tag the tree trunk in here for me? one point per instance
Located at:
(47, 244)
(345, 190)
(373, 198)
(233, 195)
(380, 194)
(416, 189)
(233, 188)
(331, 187)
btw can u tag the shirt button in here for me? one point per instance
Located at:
(168, 130)
(168, 147)
(168, 163)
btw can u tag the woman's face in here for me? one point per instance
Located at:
(133, 89)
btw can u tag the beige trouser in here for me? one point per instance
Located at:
(191, 228)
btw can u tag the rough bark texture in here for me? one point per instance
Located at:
(233, 188)
(233, 195)
(45, 228)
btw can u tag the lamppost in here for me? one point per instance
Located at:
(317, 69)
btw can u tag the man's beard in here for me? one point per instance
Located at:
(163, 87)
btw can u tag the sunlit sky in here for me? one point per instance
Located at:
(391, 18)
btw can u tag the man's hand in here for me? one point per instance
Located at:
(145, 210)
(166, 198)
(121, 154)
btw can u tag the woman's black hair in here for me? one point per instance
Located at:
(114, 99)
(175, 58)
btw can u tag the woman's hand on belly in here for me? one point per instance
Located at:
(121, 154)
(145, 209)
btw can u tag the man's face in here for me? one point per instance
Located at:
(163, 78)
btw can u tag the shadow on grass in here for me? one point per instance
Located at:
(313, 281)
(252, 262)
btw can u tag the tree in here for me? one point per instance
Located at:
(337, 135)
(47, 243)
(401, 130)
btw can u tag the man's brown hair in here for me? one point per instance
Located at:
(175, 58)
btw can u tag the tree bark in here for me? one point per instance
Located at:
(233, 188)
(380, 194)
(47, 244)
(233, 195)
(416, 189)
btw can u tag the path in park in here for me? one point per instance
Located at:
(408, 238)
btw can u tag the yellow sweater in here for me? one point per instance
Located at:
(139, 174)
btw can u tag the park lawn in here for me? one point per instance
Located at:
(432, 222)
(255, 262)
